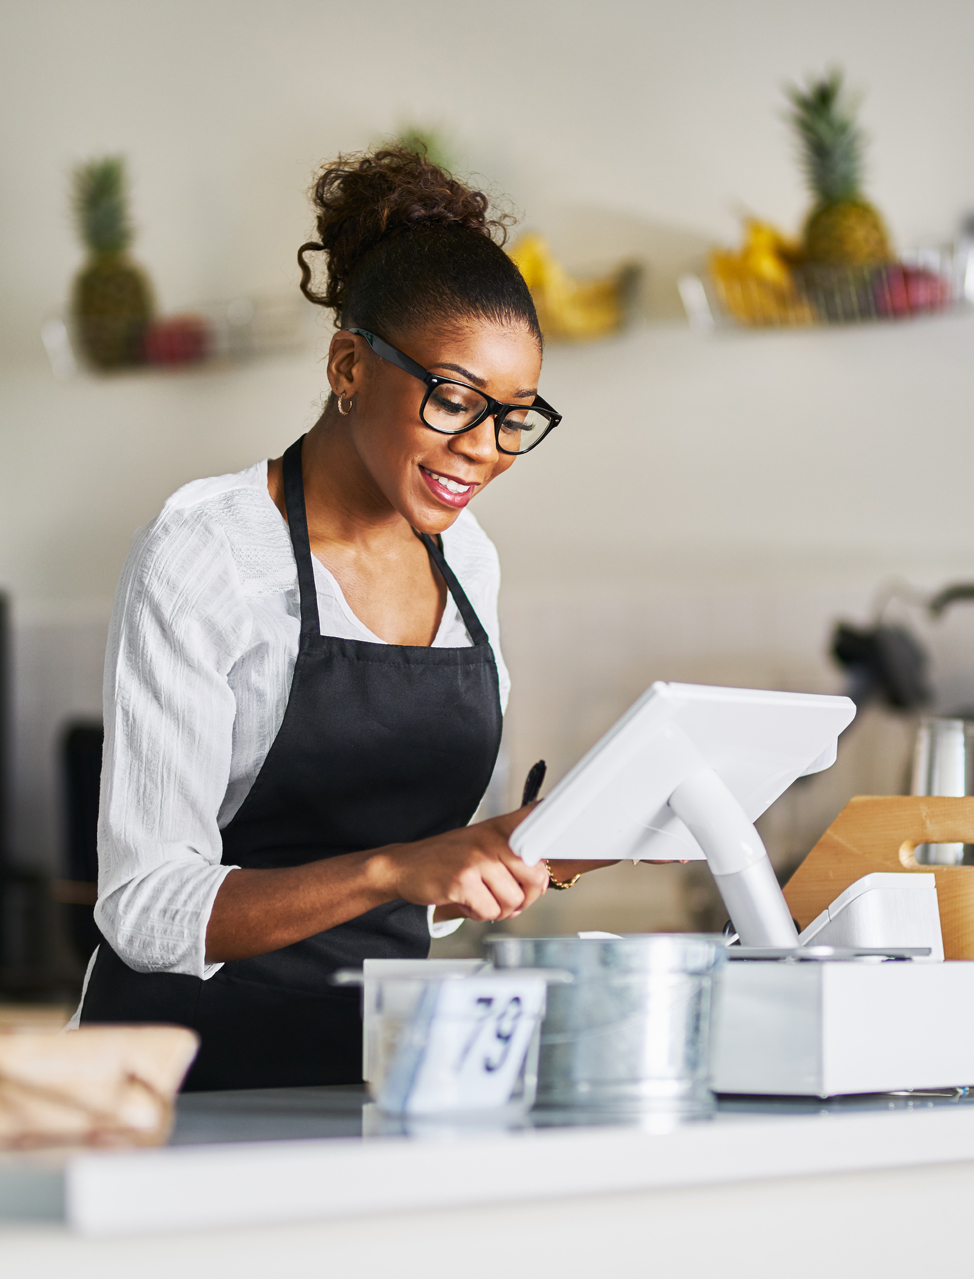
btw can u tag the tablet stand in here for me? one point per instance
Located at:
(737, 859)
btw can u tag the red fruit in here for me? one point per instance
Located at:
(909, 290)
(926, 290)
(179, 340)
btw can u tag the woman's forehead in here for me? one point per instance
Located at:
(481, 352)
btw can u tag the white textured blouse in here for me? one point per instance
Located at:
(201, 650)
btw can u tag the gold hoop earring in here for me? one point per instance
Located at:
(341, 398)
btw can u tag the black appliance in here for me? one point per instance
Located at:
(81, 748)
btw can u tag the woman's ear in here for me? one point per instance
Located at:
(346, 363)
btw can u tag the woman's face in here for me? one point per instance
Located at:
(406, 460)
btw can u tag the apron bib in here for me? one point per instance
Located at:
(380, 744)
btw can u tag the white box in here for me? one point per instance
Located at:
(828, 1029)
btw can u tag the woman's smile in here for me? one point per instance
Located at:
(449, 489)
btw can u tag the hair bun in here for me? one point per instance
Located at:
(361, 200)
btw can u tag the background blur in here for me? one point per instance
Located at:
(710, 505)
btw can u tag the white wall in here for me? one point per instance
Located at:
(708, 504)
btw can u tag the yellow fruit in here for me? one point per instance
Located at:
(566, 308)
(766, 253)
(755, 285)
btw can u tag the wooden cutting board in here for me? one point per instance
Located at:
(879, 833)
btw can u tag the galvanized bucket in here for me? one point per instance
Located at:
(632, 1030)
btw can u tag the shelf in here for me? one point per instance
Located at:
(237, 331)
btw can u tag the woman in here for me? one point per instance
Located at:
(304, 688)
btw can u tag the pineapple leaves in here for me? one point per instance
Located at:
(100, 197)
(831, 140)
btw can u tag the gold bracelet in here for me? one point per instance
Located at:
(560, 884)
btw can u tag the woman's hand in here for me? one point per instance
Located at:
(471, 873)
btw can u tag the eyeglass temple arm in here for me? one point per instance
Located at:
(391, 355)
(540, 403)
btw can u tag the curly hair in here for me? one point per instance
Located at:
(406, 245)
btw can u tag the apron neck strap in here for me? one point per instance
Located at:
(470, 619)
(297, 524)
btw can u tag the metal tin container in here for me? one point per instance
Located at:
(632, 1030)
(943, 764)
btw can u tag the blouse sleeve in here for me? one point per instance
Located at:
(179, 623)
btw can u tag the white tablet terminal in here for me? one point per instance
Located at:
(683, 774)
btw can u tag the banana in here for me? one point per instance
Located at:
(755, 284)
(567, 308)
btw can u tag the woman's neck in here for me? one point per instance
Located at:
(384, 572)
(344, 505)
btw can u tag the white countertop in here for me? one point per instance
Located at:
(251, 1159)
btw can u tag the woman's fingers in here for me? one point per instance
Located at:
(492, 887)
(472, 872)
(488, 892)
(504, 887)
(533, 880)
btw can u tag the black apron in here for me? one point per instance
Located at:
(380, 744)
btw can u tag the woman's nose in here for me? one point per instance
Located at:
(479, 445)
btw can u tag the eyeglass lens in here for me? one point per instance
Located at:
(452, 407)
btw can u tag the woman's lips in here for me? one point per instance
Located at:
(449, 491)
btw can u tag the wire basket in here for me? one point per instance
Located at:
(923, 282)
(239, 330)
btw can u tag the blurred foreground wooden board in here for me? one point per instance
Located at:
(879, 833)
(100, 1085)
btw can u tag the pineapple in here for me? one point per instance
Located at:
(428, 144)
(843, 229)
(112, 300)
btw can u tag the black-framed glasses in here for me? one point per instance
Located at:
(452, 407)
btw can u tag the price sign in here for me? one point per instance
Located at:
(465, 1045)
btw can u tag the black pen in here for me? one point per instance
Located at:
(533, 782)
